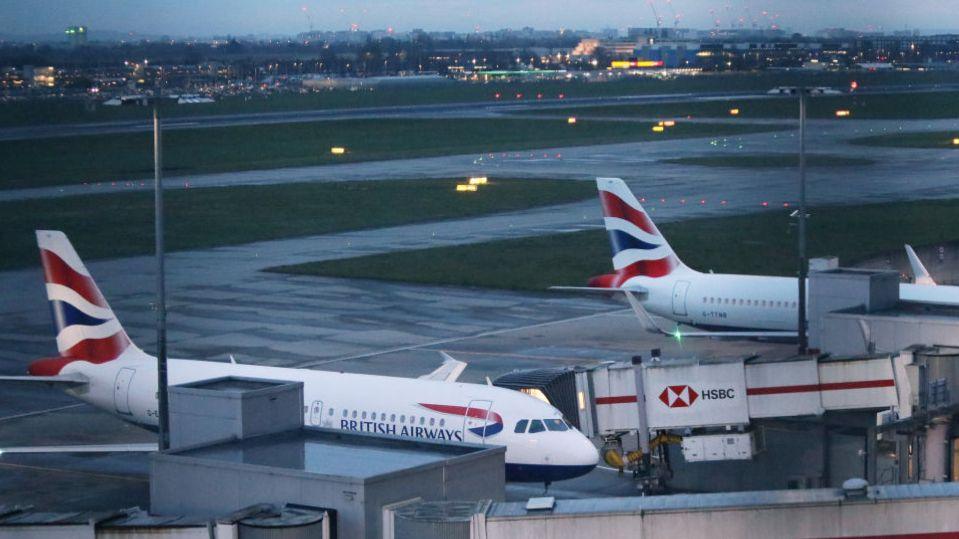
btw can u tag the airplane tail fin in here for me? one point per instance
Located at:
(639, 249)
(918, 269)
(86, 327)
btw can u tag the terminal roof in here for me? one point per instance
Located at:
(332, 453)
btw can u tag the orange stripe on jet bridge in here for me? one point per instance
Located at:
(622, 399)
(807, 388)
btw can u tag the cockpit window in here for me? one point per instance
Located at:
(536, 426)
(521, 426)
(556, 424)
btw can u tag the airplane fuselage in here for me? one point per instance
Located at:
(412, 408)
(749, 302)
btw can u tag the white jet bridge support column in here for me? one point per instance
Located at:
(640, 408)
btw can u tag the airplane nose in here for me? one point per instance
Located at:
(585, 453)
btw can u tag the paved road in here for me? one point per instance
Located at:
(453, 110)
(483, 108)
(897, 173)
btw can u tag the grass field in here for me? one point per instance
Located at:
(117, 225)
(932, 139)
(71, 111)
(918, 105)
(772, 160)
(762, 243)
(119, 157)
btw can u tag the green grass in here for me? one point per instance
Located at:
(773, 160)
(762, 243)
(931, 139)
(120, 157)
(70, 111)
(117, 225)
(920, 105)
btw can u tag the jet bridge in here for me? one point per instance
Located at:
(712, 402)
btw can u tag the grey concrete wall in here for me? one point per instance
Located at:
(842, 289)
(207, 488)
(181, 486)
(825, 520)
(199, 415)
(472, 477)
(842, 333)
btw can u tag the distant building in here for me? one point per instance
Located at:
(42, 77)
(76, 35)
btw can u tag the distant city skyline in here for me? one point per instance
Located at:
(287, 17)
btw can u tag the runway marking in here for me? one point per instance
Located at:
(458, 339)
(74, 472)
(41, 412)
(519, 356)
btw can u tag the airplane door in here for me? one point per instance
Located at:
(316, 413)
(679, 297)
(121, 390)
(475, 418)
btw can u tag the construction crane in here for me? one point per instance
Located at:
(672, 10)
(659, 21)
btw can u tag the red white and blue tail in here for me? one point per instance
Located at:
(86, 327)
(639, 249)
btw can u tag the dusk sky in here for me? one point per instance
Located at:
(205, 18)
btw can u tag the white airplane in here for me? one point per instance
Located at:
(100, 365)
(656, 281)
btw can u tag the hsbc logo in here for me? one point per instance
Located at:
(684, 396)
(678, 396)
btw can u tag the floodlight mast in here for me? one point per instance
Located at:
(163, 412)
(803, 264)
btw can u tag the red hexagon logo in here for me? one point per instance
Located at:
(678, 396)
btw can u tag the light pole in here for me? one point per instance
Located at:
(803, 265)
(163, 412)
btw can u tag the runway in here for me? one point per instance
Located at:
(446, 110)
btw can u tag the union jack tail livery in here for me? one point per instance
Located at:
(639, 249)
(86, 328)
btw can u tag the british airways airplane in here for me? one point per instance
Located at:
(656, 281)
(100, 365)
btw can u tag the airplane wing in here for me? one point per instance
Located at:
(603, 291)
(93, 448)
(918, 269)
(650, 325)
(68, 380)
(449, 371)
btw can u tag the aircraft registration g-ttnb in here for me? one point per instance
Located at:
(99, 364)
(654, 280)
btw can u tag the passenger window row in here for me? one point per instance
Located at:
(372, 416)
(749, 302)
(540, 425)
